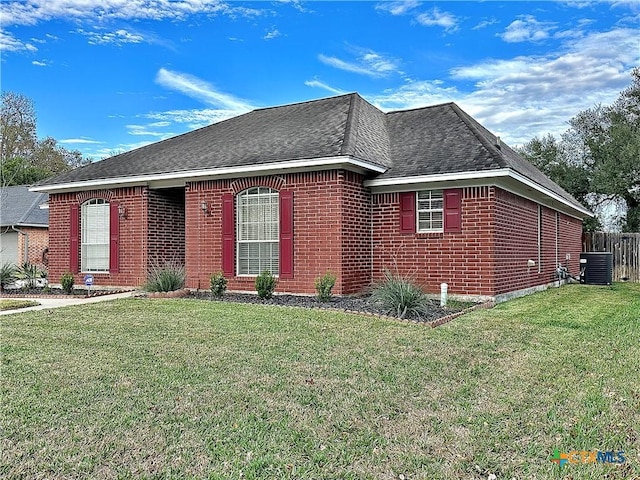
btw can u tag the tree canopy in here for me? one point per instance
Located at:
(597, 159)
(25, 159)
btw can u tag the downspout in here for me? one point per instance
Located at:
(371, 257)
(26, 242)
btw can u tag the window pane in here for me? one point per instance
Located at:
(258, 231)
(430, 210)
(95, 235)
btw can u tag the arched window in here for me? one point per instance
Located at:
(258, 231)
(95, 217)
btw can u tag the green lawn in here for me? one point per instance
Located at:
(143, 388)
(12, 304)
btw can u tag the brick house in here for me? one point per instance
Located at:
(24, 226)
(326, 185)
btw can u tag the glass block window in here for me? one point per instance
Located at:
(95, 236)
(430, 211)
(258, 227)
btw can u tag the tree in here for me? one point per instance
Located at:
(23, 158)
(598, 159)
(17, 126)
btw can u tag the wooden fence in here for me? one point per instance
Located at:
(626, 252)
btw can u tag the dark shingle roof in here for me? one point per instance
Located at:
(19, 206)
(425, 141)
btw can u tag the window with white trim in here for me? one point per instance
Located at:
(258, 227)
(95, 235)
(430, 211)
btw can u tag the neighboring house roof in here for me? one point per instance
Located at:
(408, 144)
(21, 208)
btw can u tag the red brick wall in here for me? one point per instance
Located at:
(517, 242)
(357, 245)
(331, 230)
(38, 241)
(166, 227)
(133, 236)
(463, 260)
(569, 243)
(489, 256)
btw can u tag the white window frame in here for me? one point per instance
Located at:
(428, 196)
(261, 229)
(95, 235)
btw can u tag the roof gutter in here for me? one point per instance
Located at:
(485, 176)
(180, 178)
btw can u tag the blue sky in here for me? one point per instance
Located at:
(111, 75)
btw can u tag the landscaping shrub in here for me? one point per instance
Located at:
(324, 285)
(265, 285)
(400, 297)
(7, 275)
(218, 284)
(66, 280)
(30, 274)
(165, 277)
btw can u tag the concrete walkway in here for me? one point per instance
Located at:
(49, 303)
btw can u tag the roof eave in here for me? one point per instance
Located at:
(27, 225)
(504, 178)
(179, 179)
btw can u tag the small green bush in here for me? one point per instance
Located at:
(67, 282)
(218, 284)
(265, 285)
(400, 297)
(7, 275)
(165, 277)
(324, 285)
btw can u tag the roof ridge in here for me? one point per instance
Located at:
(351, 133)
(303, 102)
(27, 212)
(426, 107)
(477, 132)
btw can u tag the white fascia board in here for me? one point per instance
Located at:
(489, 177)
(180, 178)
(549, 193)
(440, 177)
(32, 225)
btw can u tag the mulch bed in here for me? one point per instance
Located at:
(435, 315)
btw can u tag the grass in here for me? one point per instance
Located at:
(142, 388)
(11, 304)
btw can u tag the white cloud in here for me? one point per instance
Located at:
(297, 4)
(527, 29)
(192, 118)
(486, 23)
(119, 37)
(196, 88)
(38, 63)
(534, 95)
(8, 43)
(437, 18)
(32, 12)
(398, 8)
(416, 94)
(324, 86)
(79, 141)
(368, 63)
(144, 130)
(159, 124)
(273, 33)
